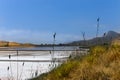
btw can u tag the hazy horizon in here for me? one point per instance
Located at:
(35, 21)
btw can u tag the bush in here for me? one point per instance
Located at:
(62, 71)
(98, 50)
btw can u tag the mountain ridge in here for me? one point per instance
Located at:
(106, 39)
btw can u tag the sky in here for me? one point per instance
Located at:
(35, 21)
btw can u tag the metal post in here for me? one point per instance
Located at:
(53, 47)
(97, 27)
(22, 70)
(10, 66)
(8, 72)
(17, 64)
(97, 30)
(83, 34)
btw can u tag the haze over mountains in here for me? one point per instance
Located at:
(105, 39)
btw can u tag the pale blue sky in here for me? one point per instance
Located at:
(35, 21)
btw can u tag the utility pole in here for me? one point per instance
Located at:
(98, 19)
(17, 64)
(54, 36)
(83, 34)
(10, 65)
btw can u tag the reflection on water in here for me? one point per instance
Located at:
(32, 65)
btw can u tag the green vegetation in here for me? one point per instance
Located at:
(102, 63)
(60, 72)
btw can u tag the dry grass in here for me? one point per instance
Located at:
(101, 64)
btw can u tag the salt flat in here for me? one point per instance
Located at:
(26, 70)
